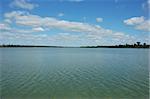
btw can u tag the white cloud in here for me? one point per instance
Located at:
(65, 37)
(139, 23)
(61, 38)
(26, 19)
(23, 36)
(38, 29)
(23, 4)
(134, 20)
(82, 31)
(4, 27)
(145, 26)
(99, 19)
(61, 14)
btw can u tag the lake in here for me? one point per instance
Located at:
(74, 73)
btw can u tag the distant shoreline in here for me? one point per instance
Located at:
(33, 46)
(136, 45)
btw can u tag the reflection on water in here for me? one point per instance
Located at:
(74, 73)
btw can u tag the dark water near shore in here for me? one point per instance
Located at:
(74, 73)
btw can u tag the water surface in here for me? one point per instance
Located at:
(74, 73)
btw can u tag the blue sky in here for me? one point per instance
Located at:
(74, 22)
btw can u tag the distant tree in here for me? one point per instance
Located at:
(138, 43)
(144, 44)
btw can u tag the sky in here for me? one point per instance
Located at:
(74, 22)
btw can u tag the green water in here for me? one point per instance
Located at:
(74, 73)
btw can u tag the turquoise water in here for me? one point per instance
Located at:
(74, 73)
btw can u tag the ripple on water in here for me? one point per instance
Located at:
(75, 73)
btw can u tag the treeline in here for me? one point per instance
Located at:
(27, 46)
(136, 45)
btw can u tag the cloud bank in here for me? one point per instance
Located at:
(72, 30)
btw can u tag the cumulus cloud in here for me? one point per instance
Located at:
(23, 4)
(87, 32)
(6, 28)
(22, 36)
(134, 20)
(139, 23)
(26, 19)
(99, 19)
(60, 38)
